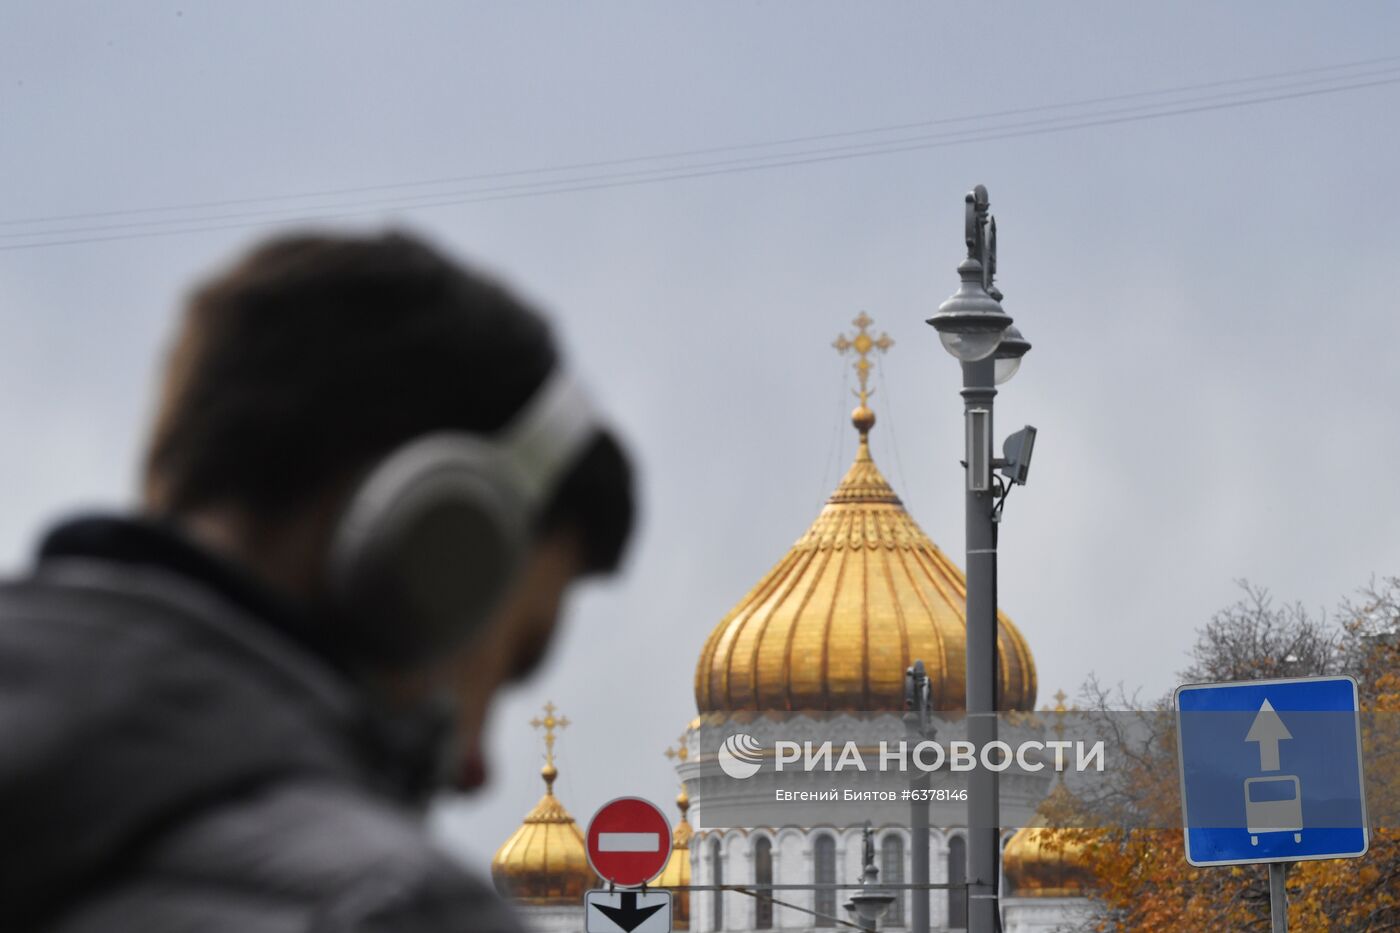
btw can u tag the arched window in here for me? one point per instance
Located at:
(717, 878)
(824, 872)
(892, 872)
(957, 877)
(763, 874)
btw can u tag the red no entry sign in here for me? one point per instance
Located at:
(629, 841)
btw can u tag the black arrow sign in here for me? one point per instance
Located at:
(628, 916)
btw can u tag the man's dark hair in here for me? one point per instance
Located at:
(315, 355)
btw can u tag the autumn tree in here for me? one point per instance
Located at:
(1128, 826)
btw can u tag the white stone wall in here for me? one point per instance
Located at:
(791, 865)
(554, 918)
(1046, 914)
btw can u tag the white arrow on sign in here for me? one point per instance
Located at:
(1268, 730)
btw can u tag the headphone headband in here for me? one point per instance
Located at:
(547, 436)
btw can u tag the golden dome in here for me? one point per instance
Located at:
(1041, 862)
(1045, 862)
(861, 596)
(545, 861)
(677, 870)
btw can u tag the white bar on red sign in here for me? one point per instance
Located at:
(628, 842)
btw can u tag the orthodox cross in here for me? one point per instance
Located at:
(1058, 711)
(862, 342)
(550, 723)
(680, 752)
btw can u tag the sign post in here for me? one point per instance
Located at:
(1278, 896)
(1271, 773)
(629, 843)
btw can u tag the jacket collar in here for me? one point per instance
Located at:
(163, 545)
(408, 752)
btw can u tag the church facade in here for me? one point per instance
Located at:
(829, 632)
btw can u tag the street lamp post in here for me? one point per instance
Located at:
(916, 722)
(979, 333)
(869, 903)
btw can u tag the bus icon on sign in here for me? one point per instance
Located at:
(1273, 804)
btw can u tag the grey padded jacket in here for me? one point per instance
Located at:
(170, 762)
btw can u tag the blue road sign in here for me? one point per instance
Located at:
(1271, 771)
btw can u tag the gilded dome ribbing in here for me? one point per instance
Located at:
(861, 596)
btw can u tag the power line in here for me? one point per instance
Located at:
(648, 176)
(435, 198)
(680, 154)
(665, 173)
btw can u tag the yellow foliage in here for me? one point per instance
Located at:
(1145, 883)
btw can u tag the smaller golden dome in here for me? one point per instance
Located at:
(677, 870)
(1045, 862)
(545, 861)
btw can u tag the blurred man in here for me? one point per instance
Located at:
(369, 483)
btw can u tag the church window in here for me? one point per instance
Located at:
(892, 872)
(957, 879)
(717, 876)
(824, 873)
(763, 874)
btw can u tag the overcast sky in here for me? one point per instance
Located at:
(1209, 295)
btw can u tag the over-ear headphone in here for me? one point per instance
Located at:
(437, 531)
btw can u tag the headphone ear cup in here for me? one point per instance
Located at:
(427, 564)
